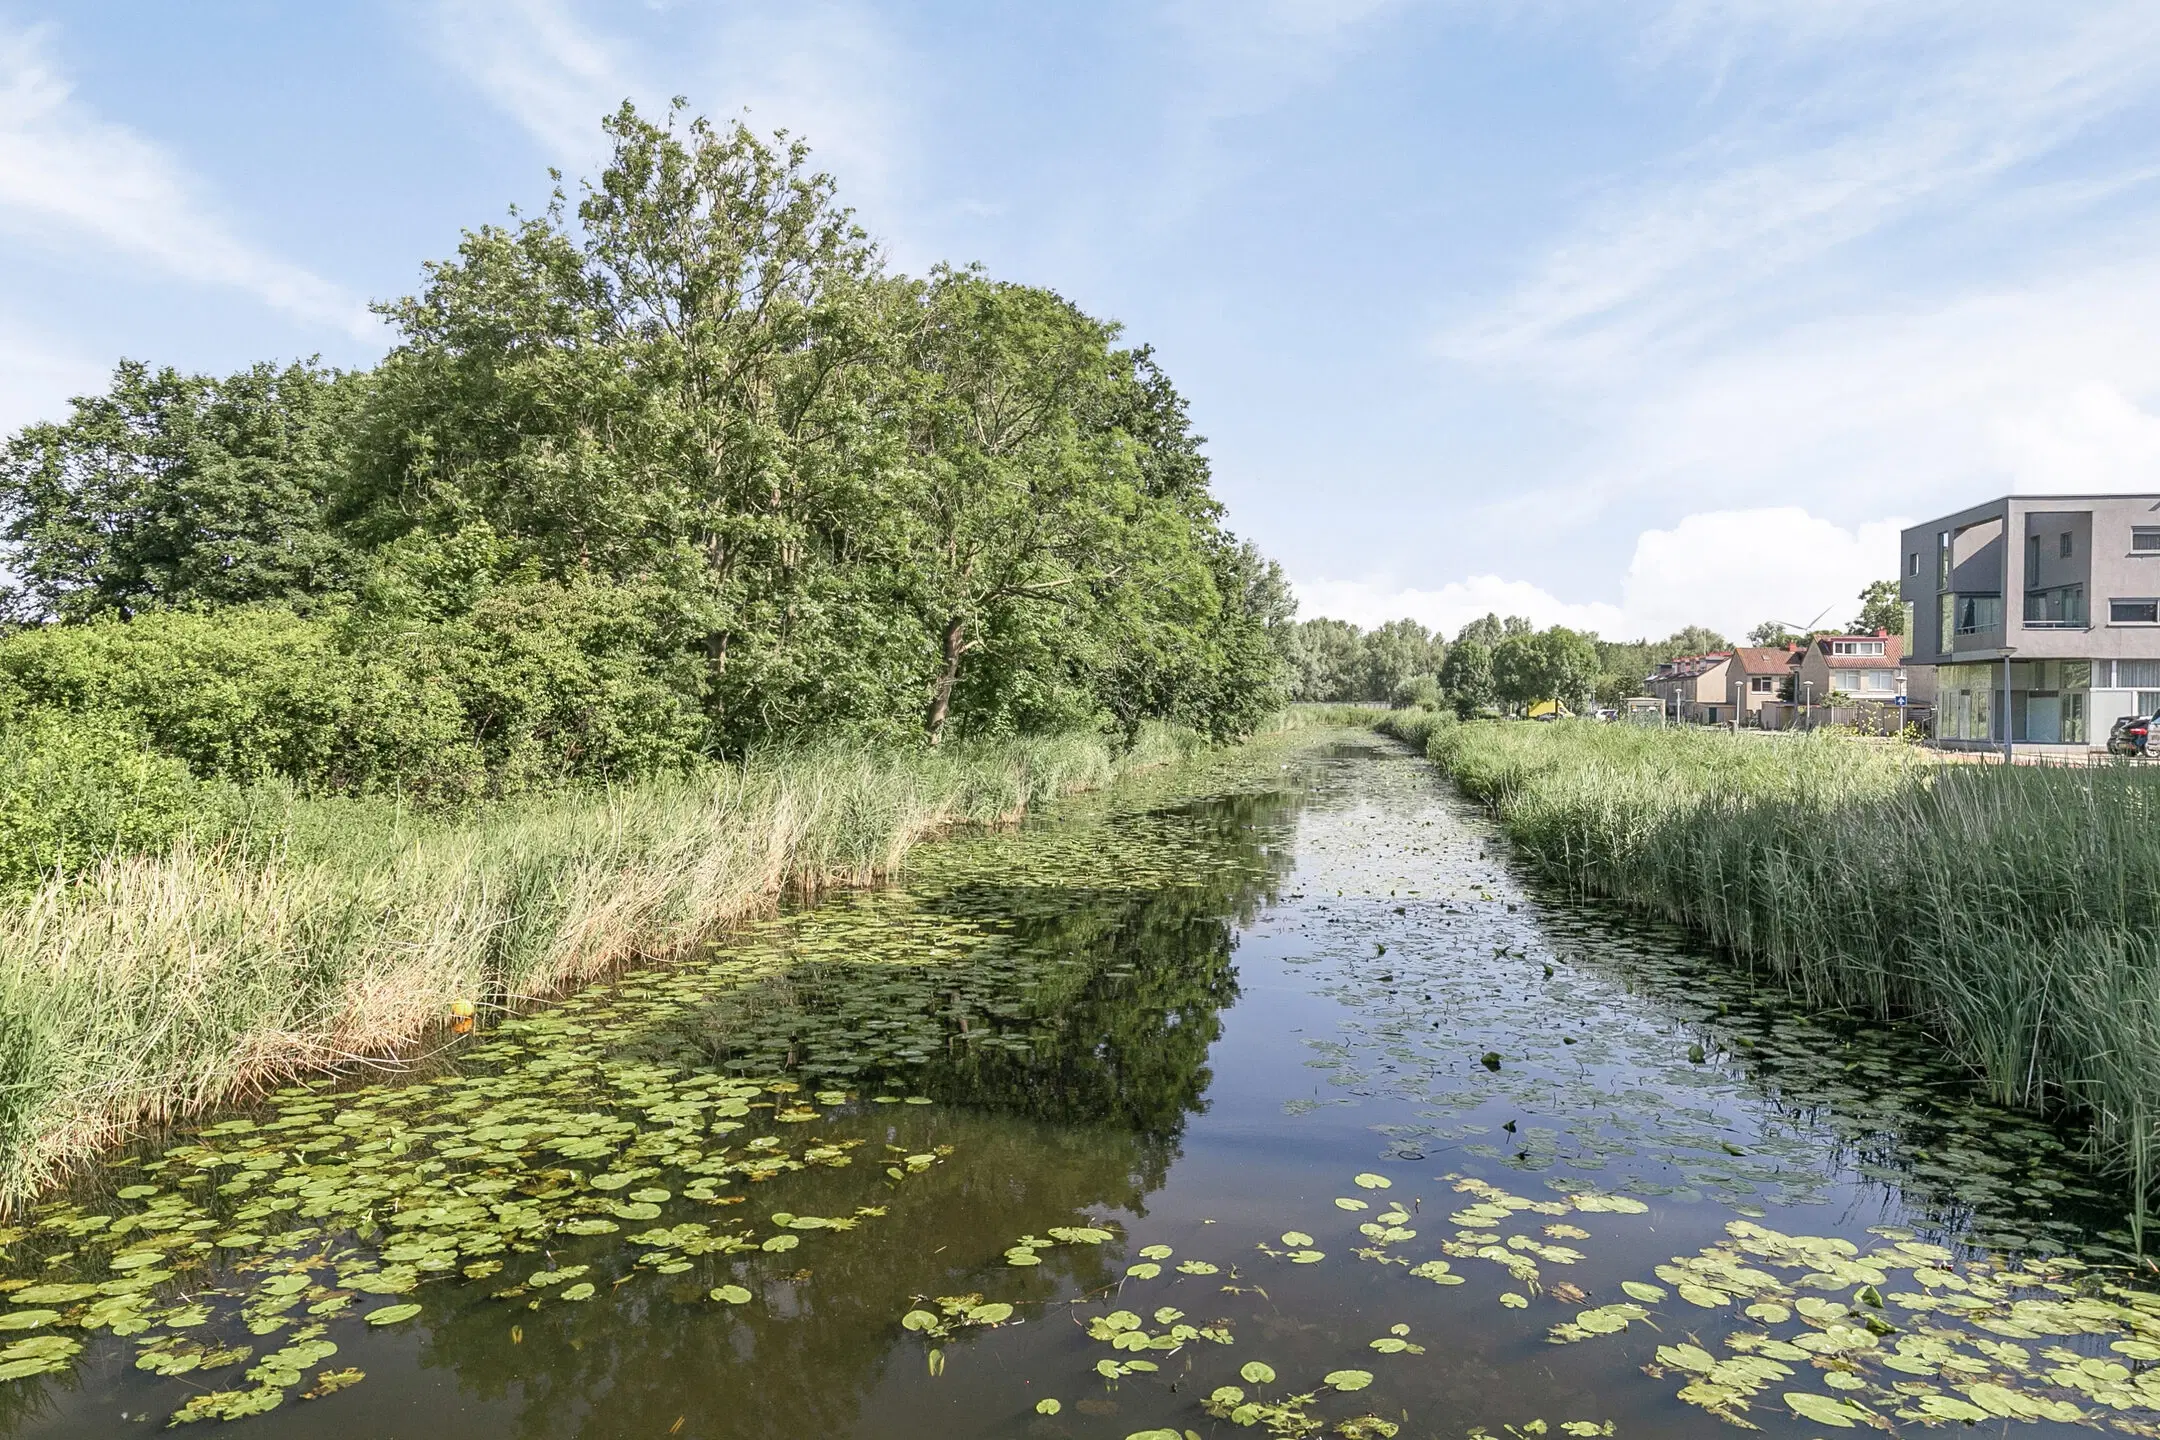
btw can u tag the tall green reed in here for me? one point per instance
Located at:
(319, 932)
(2012, 912)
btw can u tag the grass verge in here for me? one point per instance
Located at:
(2014, 912)
(315, 932)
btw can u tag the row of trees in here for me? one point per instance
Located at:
(1494, 662)
(692, 440)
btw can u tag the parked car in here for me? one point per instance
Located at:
(2131, 735)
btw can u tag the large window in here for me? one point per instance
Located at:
(1856, 647)
(1977, 614)
(1763, 684)
(1878, 682)
(2062, 607)
(2134, 612)
(1965, 701)
(2145, 538)
(2135, 674)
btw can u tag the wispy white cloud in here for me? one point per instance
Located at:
(1728, 569)
(830, 72)
(1250, 56)
(1698, 247)
(543, 66)
(69, 178)
(39, 375)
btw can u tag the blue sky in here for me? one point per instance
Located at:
(1622, 315)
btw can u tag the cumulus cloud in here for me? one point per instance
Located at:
(1449, 607)
(1727, 569)
(69, 178)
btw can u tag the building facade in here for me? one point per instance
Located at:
(1762, 675)
(1694, 688)
(2039, 616)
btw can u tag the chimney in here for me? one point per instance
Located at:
(1881, 634)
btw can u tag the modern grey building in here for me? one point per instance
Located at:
(2041, 612)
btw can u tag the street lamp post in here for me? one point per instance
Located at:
(1807, 703)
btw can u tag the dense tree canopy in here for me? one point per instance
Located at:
(678, 468)
(1494, 661)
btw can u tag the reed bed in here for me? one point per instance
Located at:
(2012, 911)
(323, 932)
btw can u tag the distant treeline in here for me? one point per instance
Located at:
(1493, 663)
(674, 471)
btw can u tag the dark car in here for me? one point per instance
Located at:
(2131, 735)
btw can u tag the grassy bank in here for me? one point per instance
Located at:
(301, 933)
(2013, 912)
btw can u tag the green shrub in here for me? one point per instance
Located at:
(74, 788)
(248, 692)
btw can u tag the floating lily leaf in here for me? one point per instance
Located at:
(1145, 1270)
(1371, 1181)
(583, 1290)
(1156, 1252)
(1296, 1238)
(781, 1242)
(1823, 1410)
(737, 1295)
(1048, 1405)
(1639, 1290)
(392, 1314)
(230, 1404)
(329, 1382)
(1257, 1372)
(1347, 1379)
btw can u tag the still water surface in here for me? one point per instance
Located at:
(1255, 1065)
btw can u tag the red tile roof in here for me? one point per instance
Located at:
(1767, 659)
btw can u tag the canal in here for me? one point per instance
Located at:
(1261, 1097)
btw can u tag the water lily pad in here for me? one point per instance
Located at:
(1048, 1405)
(1822, 1409)
(737, 1295)
(583, 1290)
(1257, 1372)
(1347, 1379)
(1370, 1181)
(392, 1314)
(1297, 1238)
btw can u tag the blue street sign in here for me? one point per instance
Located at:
(1901, 700)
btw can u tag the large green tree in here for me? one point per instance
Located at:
(1553, 664)
(680, 385)
(172, 489)
(1880, 609)
(1466, 678)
